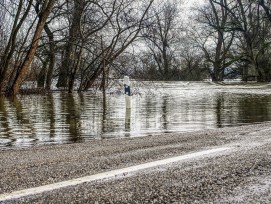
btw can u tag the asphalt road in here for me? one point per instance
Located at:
(241, 174)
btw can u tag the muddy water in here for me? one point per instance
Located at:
(168, 107)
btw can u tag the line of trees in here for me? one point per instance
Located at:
(67, 41)
(235, 38)
(83, 43)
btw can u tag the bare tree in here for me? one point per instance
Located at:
(124, 28)
(83, 47)
(215, 39)
(249, 23)
(45, 10)
(162, 35)
(266, 6)
(18, 20)
(73, 48)
(193, 66)
(49, 44)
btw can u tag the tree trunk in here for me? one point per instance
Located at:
(75, 69)
(52, 57)
(42, 73)
(71, 45)
(10, 48)
(22, 72)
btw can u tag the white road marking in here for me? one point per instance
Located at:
(106, 175)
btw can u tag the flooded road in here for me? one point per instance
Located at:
(156, 108)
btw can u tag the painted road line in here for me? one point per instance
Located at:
(106, 175)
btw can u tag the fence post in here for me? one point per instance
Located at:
(127, 91)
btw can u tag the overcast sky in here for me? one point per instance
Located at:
(186, 7)
(190, 3)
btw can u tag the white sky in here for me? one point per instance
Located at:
(191, 3)
(187, 5)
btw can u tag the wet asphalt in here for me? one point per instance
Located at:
(241, 175)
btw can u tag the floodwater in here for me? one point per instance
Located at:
(156, 108)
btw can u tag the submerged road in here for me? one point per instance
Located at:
(230, 165)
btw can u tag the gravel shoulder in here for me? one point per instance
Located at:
(216, 178)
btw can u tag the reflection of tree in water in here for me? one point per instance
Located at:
(73, 116)
(219, 107)
(109, 123)
(165, 112)
(234, 109)
(18, 109)
(104, 114)
(18, 119)
(23, 118)
(127, 122)
(254, 108)
(4, 115)
(227, 109)
(150, 111)
(62, 117)
(4, 123)
(49, 107)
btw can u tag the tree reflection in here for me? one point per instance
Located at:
(254, 109)
(165, 113)
(73, 116)
(62, 117)
(51, 114)
(219, 110)
(104, 115)
(127, 122)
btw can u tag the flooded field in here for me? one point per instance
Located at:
(156, 108)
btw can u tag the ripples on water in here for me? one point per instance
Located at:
(169, 107)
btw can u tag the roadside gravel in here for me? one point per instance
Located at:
(199, 181)
(241, 177)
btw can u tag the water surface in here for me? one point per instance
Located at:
(156, 108)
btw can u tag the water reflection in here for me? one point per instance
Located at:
(65, 118)
(164, 112)
(127, 122)
(218, 109)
